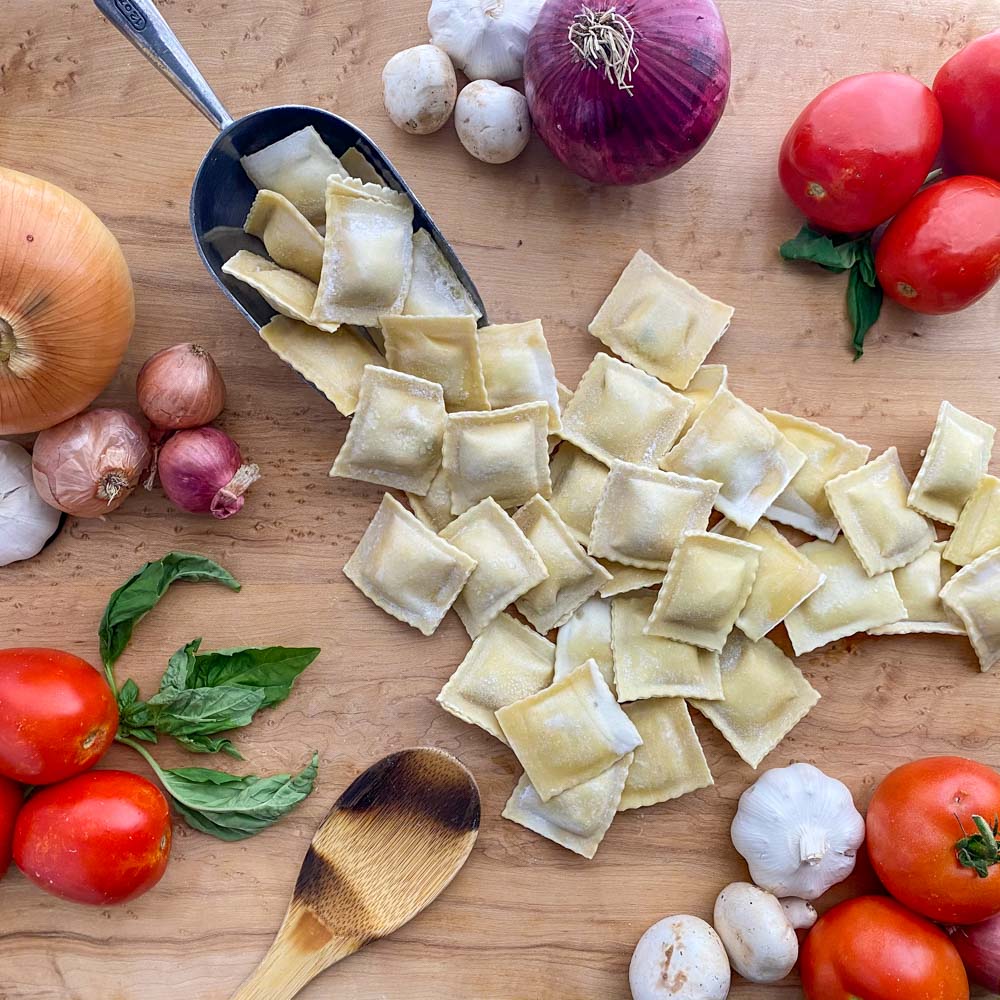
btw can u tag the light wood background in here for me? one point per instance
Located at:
(524, 919)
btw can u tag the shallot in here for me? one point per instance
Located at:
(180, 387)
(202, 471)
(89, 464)
(979, 946)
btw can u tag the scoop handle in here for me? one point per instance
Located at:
(143, 25)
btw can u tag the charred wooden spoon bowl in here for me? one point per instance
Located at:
(388, 847)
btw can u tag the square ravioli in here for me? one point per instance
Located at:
(498, 453)
(870, 504)
(576, 819)
(508, 661)
(706, 587)
(625, 579)
(649, 666)
(643, 514)
(618, 411)
(956, 461)
(568, 733)
(919, 585)
(785, 578)
(333, 362)
(586, 636)
(367, 254)
(803, 503)
(702, 389)
(766, 696)
(442, 349)
(573, 575)
(670, 761)
(396, 435)
(518, 368)
(978, 527)
(732, 444)
(404, 568)
(973, 594)
(435, 289)
(290, 239)
(849, 601)
(434, 506)
(507, 564)
(659, 322)
(577, 481)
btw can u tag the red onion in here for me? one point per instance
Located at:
(625, 92)
(202, 471)
(979, 946)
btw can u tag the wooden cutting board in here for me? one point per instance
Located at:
(525, 919)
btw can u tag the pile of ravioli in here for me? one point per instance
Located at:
(589, 512)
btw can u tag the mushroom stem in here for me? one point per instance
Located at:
(812, 844)
(800, 913)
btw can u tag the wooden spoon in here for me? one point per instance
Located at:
(387, 848)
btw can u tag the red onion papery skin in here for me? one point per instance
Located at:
(979, 947)
(202, 472)
(680, 88)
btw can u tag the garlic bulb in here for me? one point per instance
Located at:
(798, 830)
(486, 39)
(27, 522)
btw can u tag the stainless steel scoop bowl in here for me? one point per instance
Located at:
(222, 193)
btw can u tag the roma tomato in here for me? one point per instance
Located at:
(11, 800)
(871, 948)
(915, 822)
(968, 90)
(860, 150)
(942, 252)
(57, 715)
(102, 837)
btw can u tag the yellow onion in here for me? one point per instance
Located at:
(66, 304)
(180, 387)
(89, 464)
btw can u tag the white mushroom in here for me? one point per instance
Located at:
(492, 121)
(758, 930)
(679, 958)
(419, 88)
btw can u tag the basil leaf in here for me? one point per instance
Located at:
(270, 669)
(128, 695)
(141, 592)
(836, 255)
(200, 743)
(864, 303)
(233, 808)
(175, 677)
(866, 266)
(204, 710)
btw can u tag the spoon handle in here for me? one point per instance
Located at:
(143, 25)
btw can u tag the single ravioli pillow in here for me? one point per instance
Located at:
(625, 579)
(785, 578)
(956, 461)
(434, 506)
(577, 482)
(508, 661)
(396, 435)
(803, 503)
(870, 504)
(586, 636)
(919, 584)
(978, 527)
(568, 733)
(659, 322)
(404, 568)
(670, 762)
(732, 444)
(621, 412)
(290, 239)
(849, 601)
(649, 666)
(708, 583)
(507, 564)
(576, 819)
(643, 514)
(973, 594)
(498, 453)
(766, 696)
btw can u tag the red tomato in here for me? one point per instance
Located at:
(860, 150)
(871, 948)
(968, 89)
(915, 820)
(942, 252)
(57, 715)
(101, 837)
(11, 799)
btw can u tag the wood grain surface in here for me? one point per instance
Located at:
(525, 918)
